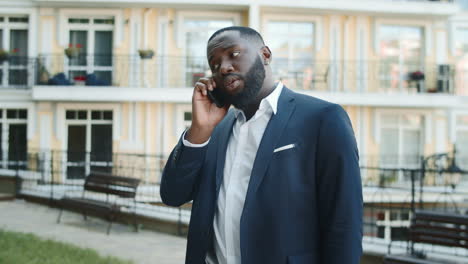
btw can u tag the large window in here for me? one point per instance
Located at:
(387, 224)
(93, 39)
(401, 51)
(197, 33)
(463, 4)
(13, 138)
(14, 41)
(89, 142)
(292, 45)
(461, 54)
(462, 141)
(184, 118)
(401, 141)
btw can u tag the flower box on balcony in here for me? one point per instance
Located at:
(146, 54)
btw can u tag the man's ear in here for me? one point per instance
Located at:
(266, 54)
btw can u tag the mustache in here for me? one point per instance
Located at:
(232, 75)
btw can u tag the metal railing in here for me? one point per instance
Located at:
(183, 72)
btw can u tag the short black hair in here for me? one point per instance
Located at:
(245, 33)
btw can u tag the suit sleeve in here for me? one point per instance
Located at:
(180, 177)
(339, 189)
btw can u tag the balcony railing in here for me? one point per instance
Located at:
(183, 72)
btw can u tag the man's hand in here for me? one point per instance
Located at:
(205, 114)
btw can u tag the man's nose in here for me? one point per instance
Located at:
(226, 67)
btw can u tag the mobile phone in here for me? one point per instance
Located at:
(217, 98)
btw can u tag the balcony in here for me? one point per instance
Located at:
(421, 8)
(51, 75)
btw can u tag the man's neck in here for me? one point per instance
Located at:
(268, 87)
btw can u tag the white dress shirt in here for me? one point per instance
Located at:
(240, 156)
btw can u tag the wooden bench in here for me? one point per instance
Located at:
(434, 228)
(114, 187)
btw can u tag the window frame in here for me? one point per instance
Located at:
(5, 131)
(6, 27)
(180, 34)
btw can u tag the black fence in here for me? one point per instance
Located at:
(390, 194)
(51, 175)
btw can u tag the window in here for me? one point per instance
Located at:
(93, 37)
(462, 141)
(401, 141)
(292, 45)
(461, 64)
(14, 40)
(13, 138)
(89, 143)
(391, 224)
(401, 50)
(183, 118)
(197, 33)
(463, 4)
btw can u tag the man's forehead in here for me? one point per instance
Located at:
(224, 40)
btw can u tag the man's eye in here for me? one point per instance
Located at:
(235, 53)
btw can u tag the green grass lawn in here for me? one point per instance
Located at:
(19, 248)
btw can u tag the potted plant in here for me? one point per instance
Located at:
(4, 55)
(146, 54)
(417, 76)
(73, 51)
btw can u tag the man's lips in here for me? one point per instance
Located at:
(231, 82)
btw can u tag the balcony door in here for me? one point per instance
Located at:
(292, 45)
(402, 142)
(197, 33)
(93, 39)
(462, 141)
(13, 138)
(14, 40)
(89, 143)
(401, 51)
(461, 64)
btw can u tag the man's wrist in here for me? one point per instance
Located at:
(198, 135)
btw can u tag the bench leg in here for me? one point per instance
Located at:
(59, 216)
(135, 223)
(109, 227)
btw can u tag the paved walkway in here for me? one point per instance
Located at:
(144, 247)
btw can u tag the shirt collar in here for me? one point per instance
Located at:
(270, 101)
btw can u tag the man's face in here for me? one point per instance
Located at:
(237, 68)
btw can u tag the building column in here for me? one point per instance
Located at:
(254, 16)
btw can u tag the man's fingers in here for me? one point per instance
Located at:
(199, 86)
(208, 82)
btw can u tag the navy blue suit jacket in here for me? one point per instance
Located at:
(303, 204)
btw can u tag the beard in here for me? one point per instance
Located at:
(253, 82)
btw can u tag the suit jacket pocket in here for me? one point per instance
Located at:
(302, 259)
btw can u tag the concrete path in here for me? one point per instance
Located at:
(144, 247)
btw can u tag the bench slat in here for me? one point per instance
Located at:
(442, 228)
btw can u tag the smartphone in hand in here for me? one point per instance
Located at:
(217, 98)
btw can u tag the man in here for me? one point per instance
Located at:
(276, 180)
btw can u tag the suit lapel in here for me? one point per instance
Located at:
(270, 138)
(225, 133)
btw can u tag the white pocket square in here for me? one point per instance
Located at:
(284, 148)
